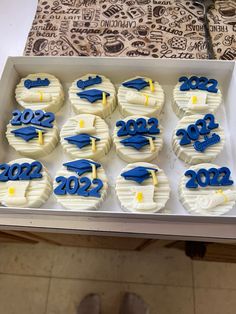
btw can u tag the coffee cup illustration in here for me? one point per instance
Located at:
(141, 31)
(113, 44)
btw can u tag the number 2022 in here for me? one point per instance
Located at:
(195, 130)
(80, 186)
(139, 126)
(23, 171)
(201, 83)
(37, 117)
(210, 177)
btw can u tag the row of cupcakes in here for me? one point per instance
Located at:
(141, 187)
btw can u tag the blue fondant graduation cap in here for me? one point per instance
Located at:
(27, 133)
(81, 140)
(136, 141)
(138, 174)
(137, 84)
(92, 95)
(89, 82)
(81, 166)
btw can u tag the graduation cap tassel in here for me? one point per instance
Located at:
(104, 98)
(146, 99)
(93, 144)
(40, 137)
(151, 85)
(152, 146)
(154, 177)
(94, 171)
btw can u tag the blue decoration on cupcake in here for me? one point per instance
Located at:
(208, 141)
(137, 84)
(136, 141)
(27, 133)
(138, 174)
(92, 95)
(81, 140)
(81, 166)
(89, 82)
(38, 83)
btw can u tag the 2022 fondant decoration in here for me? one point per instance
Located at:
(142, 187)
(207, 189)
(33, 133)
(81, 185)
(86, 136)
(24, 183)
(142, 96)
(198, 138)
(196, 95)
(40, 91)
(138, 138)
(93, 94)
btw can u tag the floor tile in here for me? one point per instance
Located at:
(214, 275)
(215, 301)
(161, 299)
(23, 294)
(165, 266)
(27, 259)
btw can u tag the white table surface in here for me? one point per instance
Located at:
(16, 17)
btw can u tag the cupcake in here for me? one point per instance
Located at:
(138, 138)
(86, 136)
(140, 96)
(142, 187)
(24, 183)
(40, 91)
(33, 133)
(196, 95)
(93, 94)
(198, 138)
(81, 185)
(207, 189)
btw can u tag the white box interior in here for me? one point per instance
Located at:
(166, 72)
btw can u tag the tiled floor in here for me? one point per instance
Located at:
(46, 279)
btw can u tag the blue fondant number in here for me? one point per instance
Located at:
(210, 177)
(23, 171)
(80, 186)
(38, 117)
(201, 83)
(199, 128)
(132, 127)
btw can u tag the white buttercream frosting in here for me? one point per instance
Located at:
(210, 200)
(153, 197)
(48, 98)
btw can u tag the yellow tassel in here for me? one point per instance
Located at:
(40, 96)
(152, 146)
(194, 100)
(139, 197)
(151, 85)
(94, 172)
(104, 98)
(81, 123)
(146, 99)
(93, 144)
(223, 194)
(154, 177)
(40, 137)
(11, 191)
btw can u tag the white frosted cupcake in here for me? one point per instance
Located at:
(93, 94)
(138, 138)
(40, 91)
(81, 185)
(198, 138)
(195, 95)
(86, 136)
(24, 183)
(33, 133)
(142, 187)
(207, 189)
(140, 96)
